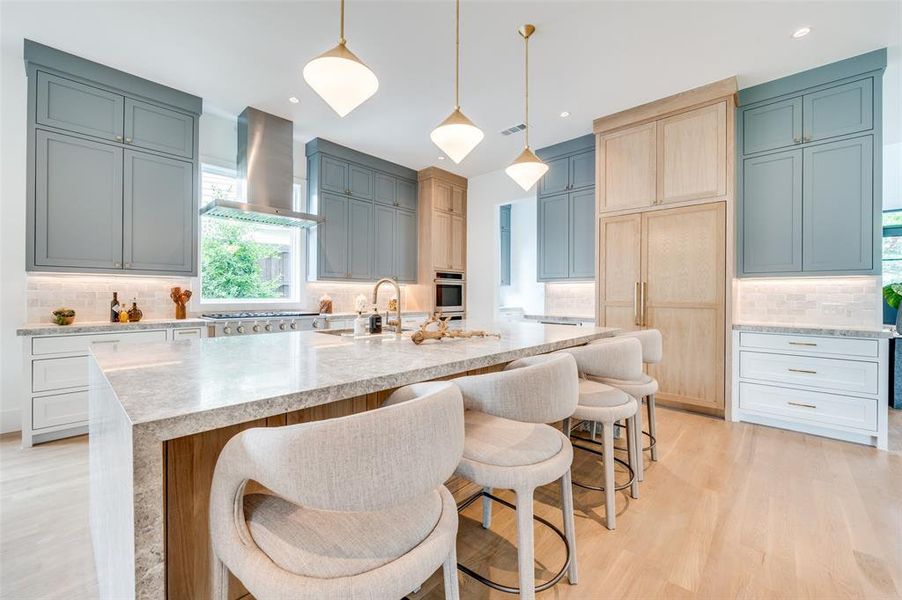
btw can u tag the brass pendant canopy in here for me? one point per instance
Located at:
(527, 168)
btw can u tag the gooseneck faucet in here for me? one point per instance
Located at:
(389, 323)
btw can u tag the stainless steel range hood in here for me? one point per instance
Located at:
(266, 165)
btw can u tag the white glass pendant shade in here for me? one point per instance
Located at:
(527, 169)
(456, 136)
(341, 79)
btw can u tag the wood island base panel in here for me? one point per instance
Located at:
(159, 419)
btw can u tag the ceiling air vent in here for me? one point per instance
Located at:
(514, 129)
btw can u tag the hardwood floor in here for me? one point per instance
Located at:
(730, 510)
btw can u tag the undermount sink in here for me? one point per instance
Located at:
(348, 332)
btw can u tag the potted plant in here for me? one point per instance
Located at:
(892, 298)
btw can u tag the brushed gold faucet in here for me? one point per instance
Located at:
(388, 322)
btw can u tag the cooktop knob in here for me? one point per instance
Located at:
(241, 329)
(293, 325)
(268, 327)
(227, 330)
(283, 326)
(256, 328)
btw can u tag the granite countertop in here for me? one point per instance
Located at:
(837, 331)
(104, 326)
(560, 318)
(196, 385)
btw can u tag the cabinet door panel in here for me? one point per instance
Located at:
(407, 194)
(839, 110)
(334, 174)
(442, 195)
(360, 182)
(458, 200)
(505, 257)
(441, 240)
(458, 243)
(582, 234)
(385, 236)
(692, 151)
(333, 235)
(628, 160)
(771, 235)
(772, 126)
(554, 233)
(838, 204)
(78, 107)
(582, 170)
(619, 273)
(360, 251)
(406, 245)
(557, 179)
(160, 129)
(78, 202)
(159, 213)
(386, 189)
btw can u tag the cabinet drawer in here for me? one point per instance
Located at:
(60, 409)
(77, 107)
(186, 334)
(826, 373)
(59, 373)
(809, 344)
(809, 407)
(80, 343)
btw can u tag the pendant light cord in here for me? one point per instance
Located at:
(341, 37)
(457, 60)
(527, 91)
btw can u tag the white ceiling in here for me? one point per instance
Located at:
(589, 58)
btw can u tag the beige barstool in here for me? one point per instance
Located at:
(509, 445)
(607, 406)
(645, 386)
(358, 507)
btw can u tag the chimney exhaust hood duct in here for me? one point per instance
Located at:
(266, 165)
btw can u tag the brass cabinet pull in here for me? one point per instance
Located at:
(802, 404)
(806, 371)
(797, 140)
(802, 344)
(636, 305)
(643, 301)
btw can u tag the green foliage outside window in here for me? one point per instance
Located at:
(232, 262)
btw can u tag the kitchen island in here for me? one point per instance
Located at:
(159, 417)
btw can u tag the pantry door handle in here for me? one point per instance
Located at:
(806, 371)
(643, 302)
(636, 305)
(802, 344)
(802, 404)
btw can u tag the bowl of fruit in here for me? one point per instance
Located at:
(64, 316)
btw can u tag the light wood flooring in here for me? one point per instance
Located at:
(729, 511)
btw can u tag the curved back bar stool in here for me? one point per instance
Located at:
(607, 406)
(509, 445)
(645, 386)
(358, 507)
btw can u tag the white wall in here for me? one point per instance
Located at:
(892, 129)
(524, 291)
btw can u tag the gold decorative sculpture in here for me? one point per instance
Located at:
(180, 297)
(425, 333)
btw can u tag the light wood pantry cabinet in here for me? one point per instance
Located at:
(112, 170)
(627, 160)
(442, 221)
(666, 270)
(692, 154)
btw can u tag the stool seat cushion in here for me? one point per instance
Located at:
(637, 388)
(603, 403)
(506, 443)
(329, 544)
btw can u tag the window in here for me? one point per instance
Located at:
(892, 247)
(244, 262)
(506, 244)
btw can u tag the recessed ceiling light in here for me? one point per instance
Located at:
(565, 114)
(441, 158)
(293, 100)
(800, 33)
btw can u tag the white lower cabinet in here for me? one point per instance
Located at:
(830, 386)
(57, 389)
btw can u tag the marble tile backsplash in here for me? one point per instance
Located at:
(570, 299)
(814, 301)
(343, 295)
(90, 295)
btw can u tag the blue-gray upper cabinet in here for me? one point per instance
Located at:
(557, 179)
(505, 216)
(360, 242)
(334, 175)
(405, 245)
(569, 173)
(838, 206)
(582, 170)
(74, 106)
(333, 234)
(839, 110)
(772, 213)
(554, 237)
(78, 203)
(159, 214)
(407, 194)
(582, 235)
(384, 255)
(157, 128)
(386, 189)
(360, 182)
(772, 126)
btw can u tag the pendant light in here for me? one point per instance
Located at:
(527, 168)
(456, 136)
(339, 77)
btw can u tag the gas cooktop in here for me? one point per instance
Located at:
(260, 314)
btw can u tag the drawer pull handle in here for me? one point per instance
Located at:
(802, 404)
(802, 344)
(105, 342)
(806, 371)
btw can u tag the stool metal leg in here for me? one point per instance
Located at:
(525, 545)
(486, 509)
(651, 427)
(569, 525)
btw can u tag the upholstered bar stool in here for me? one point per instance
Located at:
(509, 445)
(358, 509)
(606, 406)
(645, 386)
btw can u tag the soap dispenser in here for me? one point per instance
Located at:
(375, 321)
